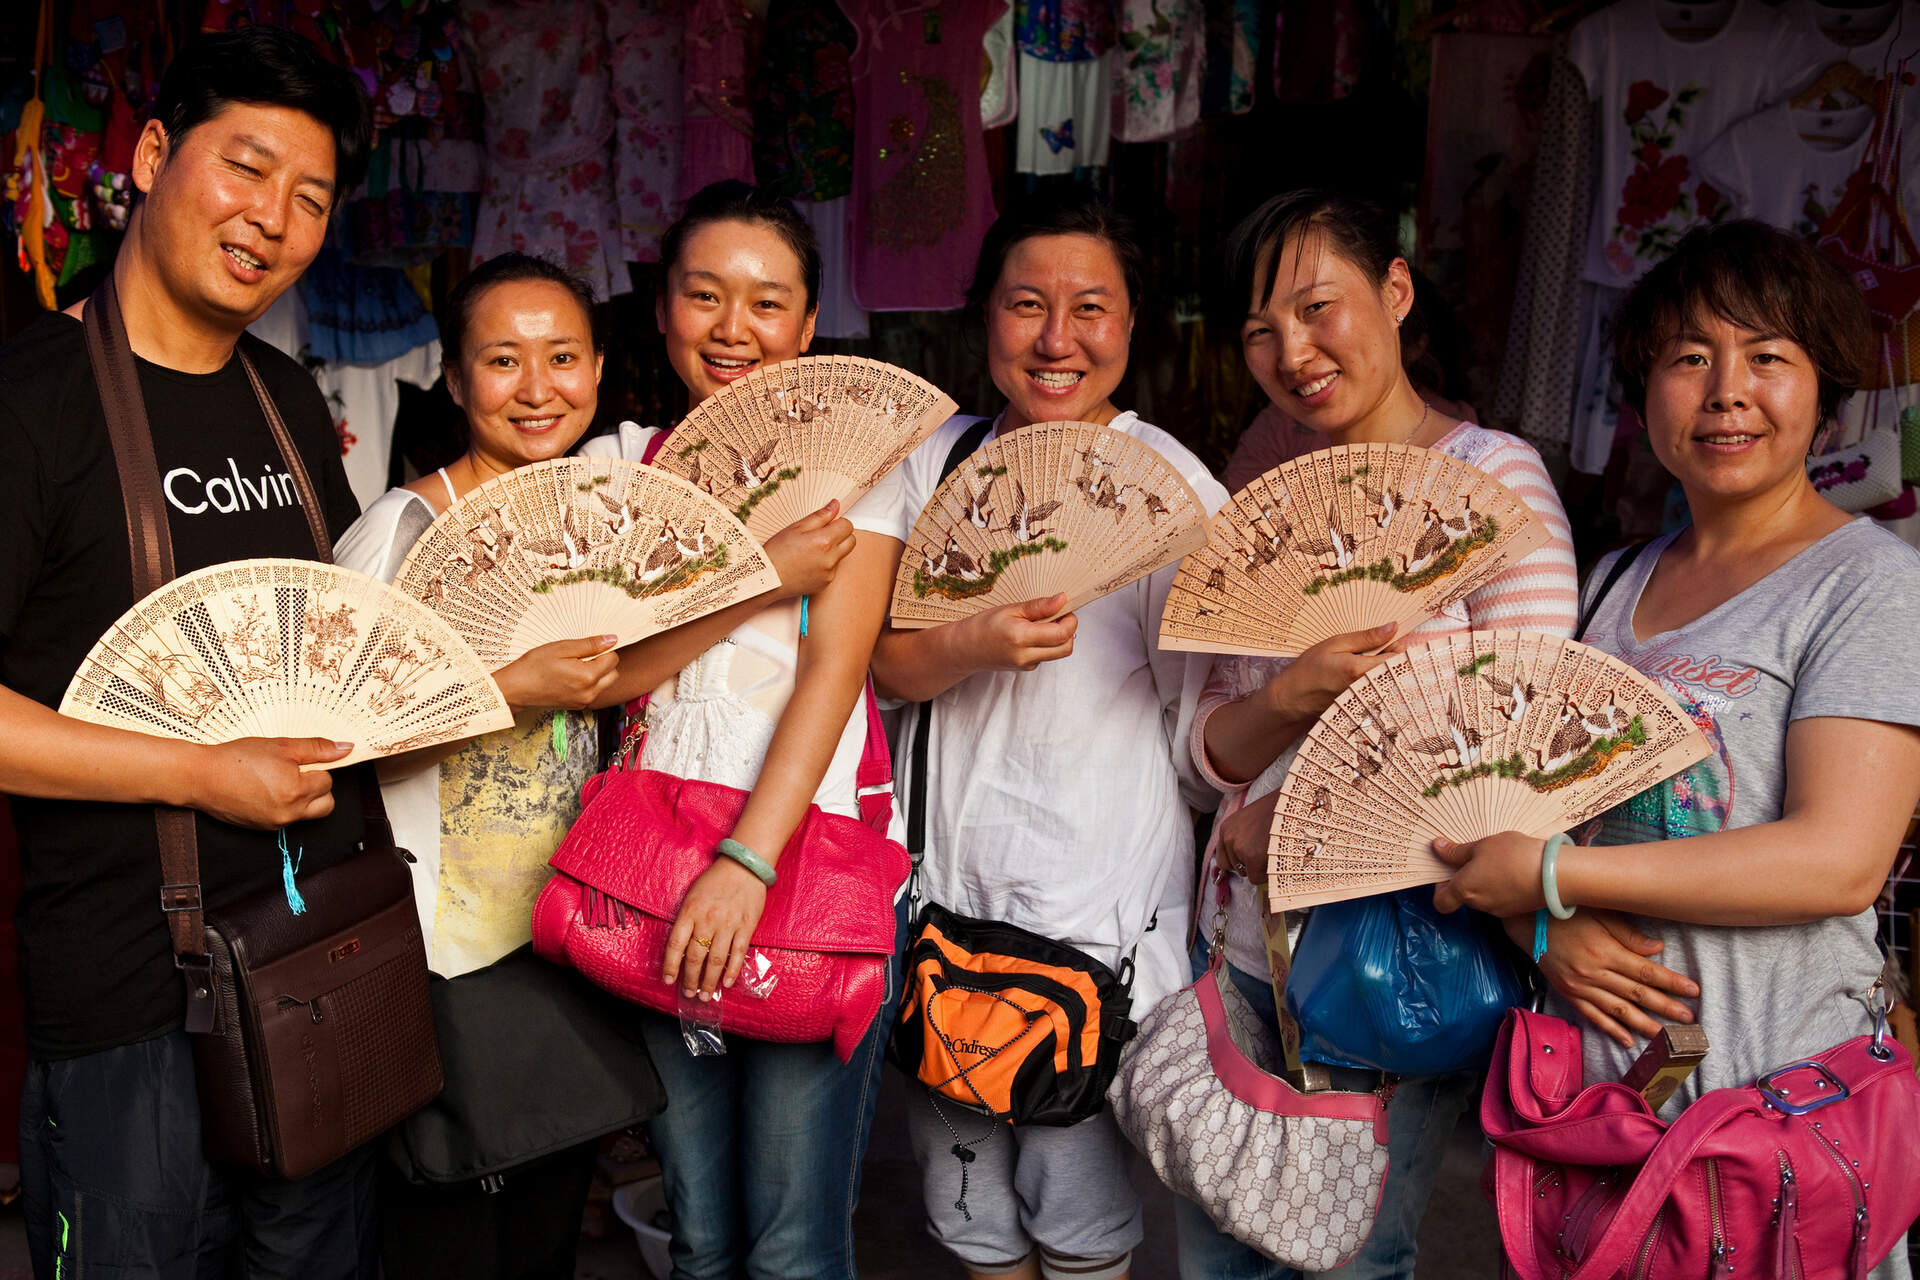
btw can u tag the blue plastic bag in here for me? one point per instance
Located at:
(1389, 983)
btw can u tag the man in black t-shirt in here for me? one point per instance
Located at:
(254, 139)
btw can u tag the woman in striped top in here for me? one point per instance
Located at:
(1327, 292)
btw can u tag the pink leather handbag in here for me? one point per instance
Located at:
(1812, 1172)
(828, 929)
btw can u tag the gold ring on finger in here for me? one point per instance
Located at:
(705, 944)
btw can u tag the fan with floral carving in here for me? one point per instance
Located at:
(287, 648)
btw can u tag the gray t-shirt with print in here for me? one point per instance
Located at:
(1829, 633)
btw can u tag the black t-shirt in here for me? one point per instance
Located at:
(95, 957)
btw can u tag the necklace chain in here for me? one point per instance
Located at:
(1425, 409)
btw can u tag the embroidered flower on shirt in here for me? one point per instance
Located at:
(1656, 206)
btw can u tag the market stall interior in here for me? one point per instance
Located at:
(1541, 158)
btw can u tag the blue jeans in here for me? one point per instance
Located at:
(760, 1148)
(1420, 1120)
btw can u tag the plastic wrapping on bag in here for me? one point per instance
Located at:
(757, 977)
(1389, 983)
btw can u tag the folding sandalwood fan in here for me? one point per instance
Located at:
(1055, 506)
(1474, 734)
(1341, 540)
(286, 648)
(578, 547)
(783, 441)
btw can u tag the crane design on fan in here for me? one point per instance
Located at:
(1473, 734)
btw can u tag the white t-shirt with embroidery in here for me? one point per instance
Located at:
(1662, 100)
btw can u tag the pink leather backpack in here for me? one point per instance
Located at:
(1812, 1172)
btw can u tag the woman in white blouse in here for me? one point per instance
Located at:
(1058, 783)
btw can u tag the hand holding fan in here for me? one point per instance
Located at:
(1343, 540)
(1053, 507)
(784, 440)
(286, 648)
(578, 547)
(1477, 733)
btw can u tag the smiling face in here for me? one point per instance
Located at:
(528, 377)
(1058, 323)
(736, 299)
(234, 210)
(1324, 345)
(1731, 411)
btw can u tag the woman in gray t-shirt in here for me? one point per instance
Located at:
(1784, 626)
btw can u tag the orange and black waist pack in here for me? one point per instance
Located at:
(1003, 1020)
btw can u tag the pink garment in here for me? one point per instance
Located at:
(718, 143)
(921, 195)
(1273, 438)
(549, 186)
(645, 38)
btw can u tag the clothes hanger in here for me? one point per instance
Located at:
(1841, 77)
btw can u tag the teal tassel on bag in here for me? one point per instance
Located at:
(560, 735)
(803, 615)
(289, 864)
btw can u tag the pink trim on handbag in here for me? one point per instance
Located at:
(1269, 1093)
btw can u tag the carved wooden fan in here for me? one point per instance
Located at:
(780, 443)
(287, 648)
(1341, 540)
(578, 547)
(1474, 734)
(1055, 506)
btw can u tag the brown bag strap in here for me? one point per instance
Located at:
(302, 482)
(151, 546)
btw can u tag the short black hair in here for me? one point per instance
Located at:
(1757, 277)
(508, 268)
(1066, 209)
(1362, 233)
(268, 66)
(731, 200)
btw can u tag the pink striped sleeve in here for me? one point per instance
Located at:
(1232, 679)
(1541, 592)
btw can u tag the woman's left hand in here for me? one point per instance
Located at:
(1498, 874)
(710, 936)
(1242, 850)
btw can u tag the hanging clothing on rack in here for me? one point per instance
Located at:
(1066, 81)
(1535, 395)
(1663, 99)
(921, 201)
(549, 187)
(364, 399)
(718, 123)
(1769, 169)
(1162, 75)
(1000, 91)
(645, 65)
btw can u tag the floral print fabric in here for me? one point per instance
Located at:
(1161, 79)
(803, 102)
(1063, 30)
(1662, 99)
(543, 67)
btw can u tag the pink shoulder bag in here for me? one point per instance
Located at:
(1812, 1172)
(645, 836)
